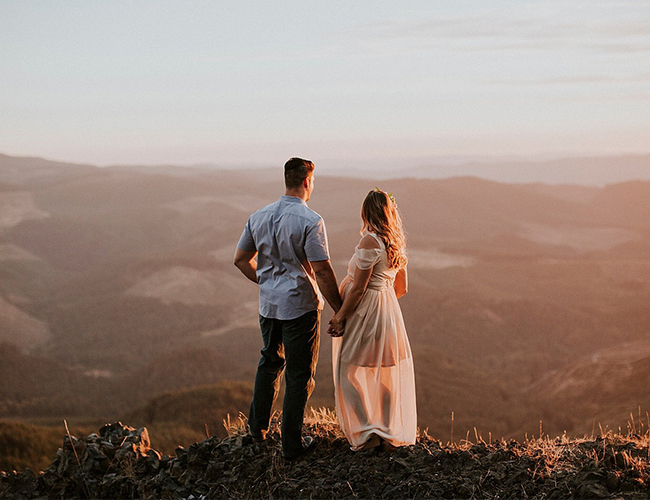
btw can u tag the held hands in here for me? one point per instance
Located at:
(336, 326)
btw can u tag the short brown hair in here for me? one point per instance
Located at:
(297, 170)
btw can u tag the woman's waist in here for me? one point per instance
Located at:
(375, 283)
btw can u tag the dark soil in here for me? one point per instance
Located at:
(118, 463)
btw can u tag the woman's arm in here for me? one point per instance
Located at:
(401, 283)
(354, 294)
(352, 298)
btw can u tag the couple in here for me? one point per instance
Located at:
(283, 249)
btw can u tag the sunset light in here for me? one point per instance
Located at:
(341, 249)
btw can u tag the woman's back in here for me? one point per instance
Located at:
(382, 276)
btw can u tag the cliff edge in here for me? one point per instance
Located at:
(118, 462)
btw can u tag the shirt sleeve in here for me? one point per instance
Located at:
(367, 257)
(316, 248)
(246, 242)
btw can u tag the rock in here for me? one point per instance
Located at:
(592, 490)
(118, 462)
(627, 485)
(613, 481)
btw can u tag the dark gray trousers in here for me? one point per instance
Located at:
(292, 344)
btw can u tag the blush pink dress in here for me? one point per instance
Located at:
(374, 383)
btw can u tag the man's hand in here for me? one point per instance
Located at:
(336, 327)
(245, 262)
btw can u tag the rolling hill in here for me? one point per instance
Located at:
(110, 277)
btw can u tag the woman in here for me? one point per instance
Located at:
(374, 382)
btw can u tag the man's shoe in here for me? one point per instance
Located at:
(308, 444)
(260, 436)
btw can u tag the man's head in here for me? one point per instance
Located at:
(298, 176)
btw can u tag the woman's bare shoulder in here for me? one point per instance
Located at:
(368, 241)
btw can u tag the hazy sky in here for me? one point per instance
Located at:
(242, 81)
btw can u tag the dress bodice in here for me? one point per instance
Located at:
(382, 277)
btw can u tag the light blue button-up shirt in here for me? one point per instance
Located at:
(286, 235)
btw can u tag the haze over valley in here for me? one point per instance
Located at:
(527, 302)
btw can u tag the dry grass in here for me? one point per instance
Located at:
(625, 451)
(610, 462)
(237, 426)
(535, 467)
(322, 420)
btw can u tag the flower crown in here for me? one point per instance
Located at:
(390, 195)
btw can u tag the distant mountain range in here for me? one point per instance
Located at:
(585, 171)
(110, 276)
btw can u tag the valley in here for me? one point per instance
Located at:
(527, 302)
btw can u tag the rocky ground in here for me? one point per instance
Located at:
(118, 462)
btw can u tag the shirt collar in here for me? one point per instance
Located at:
(293, 199)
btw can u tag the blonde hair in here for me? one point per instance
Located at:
(380, 216)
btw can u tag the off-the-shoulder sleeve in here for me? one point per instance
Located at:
(367, 257)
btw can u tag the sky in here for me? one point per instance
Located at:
(339, 82)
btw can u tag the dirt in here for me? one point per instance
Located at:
(119, 463)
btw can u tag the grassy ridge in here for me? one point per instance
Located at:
(607, 465)
(175, 418)
(34, 446)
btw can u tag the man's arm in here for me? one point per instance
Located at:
(326, 280)
(245, 262)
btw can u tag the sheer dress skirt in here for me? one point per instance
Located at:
(374, 381)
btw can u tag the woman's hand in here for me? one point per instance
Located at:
(336, 326)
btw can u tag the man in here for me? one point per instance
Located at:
(290, 243)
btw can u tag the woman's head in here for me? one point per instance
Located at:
(380, 215)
